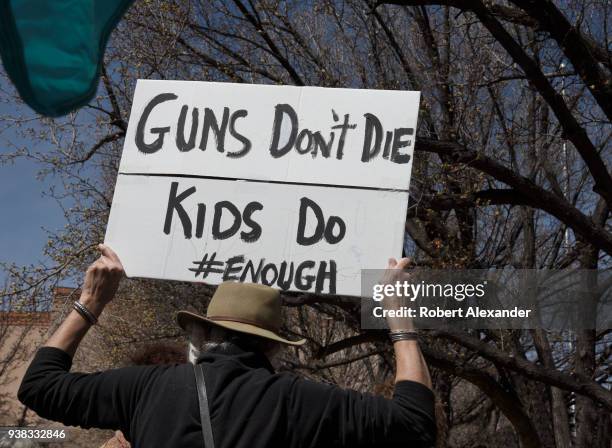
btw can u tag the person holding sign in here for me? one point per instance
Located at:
(231, 397)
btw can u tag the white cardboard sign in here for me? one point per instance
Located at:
(295, 187)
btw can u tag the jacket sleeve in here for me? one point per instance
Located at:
(104, 400)
(327, 415)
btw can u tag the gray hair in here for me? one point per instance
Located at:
(203, 338)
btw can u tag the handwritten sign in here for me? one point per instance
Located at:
(295, 187)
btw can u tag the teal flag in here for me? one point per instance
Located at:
(53, 49)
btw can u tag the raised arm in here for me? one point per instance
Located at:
(326, 415)
(409, 362)
(102, 399)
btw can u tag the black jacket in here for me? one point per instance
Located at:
(250, 405)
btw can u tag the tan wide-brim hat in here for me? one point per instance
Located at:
(244, 307)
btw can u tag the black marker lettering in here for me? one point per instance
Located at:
(399, 143)
(388, 140)
(323, 146)
(246, 143)
(180, 129)
(250, 268)
(150, 148)
(302, 276)
(304, 282)
(280, 111)
(255, 233)
(219, 234)
(270, 267)
(329, 229)
(372, 126)
(207, 266)
(304, 134)
(174, 204)
(284, 281)
(231, 270)
(200, 220)
(317, 236)
(323, 275)
(210, 122)
(345, 126)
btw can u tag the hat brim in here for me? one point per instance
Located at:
(183, 318)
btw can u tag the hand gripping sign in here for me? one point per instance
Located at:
(298, 188)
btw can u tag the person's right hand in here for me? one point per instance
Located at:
(395, 269)
(396, 272)
(102, 278)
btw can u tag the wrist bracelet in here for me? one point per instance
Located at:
(84, 312)
(403, 335)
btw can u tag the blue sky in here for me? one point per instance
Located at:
(25, 210)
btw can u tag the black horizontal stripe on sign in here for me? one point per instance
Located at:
(279, 182)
